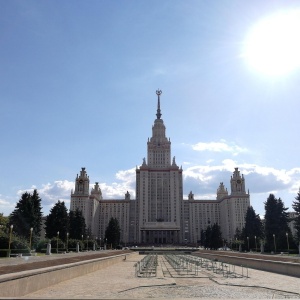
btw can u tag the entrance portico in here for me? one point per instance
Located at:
(160, 233)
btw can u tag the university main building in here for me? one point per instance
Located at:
(159, 214)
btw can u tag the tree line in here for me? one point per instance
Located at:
(24, 226)
(272, 233)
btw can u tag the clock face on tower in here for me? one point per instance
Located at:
(80, 181)
(238, 181)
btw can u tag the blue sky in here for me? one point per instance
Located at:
(77, 89)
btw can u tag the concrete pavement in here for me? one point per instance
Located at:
(119, 282)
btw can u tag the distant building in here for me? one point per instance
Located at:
(159, 215)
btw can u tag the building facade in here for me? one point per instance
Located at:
(159, 214)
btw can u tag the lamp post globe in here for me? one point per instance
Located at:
(274, 237)
(31, 229)
(57, 242)
(10, 236)
(287, 240)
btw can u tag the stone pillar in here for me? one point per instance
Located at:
(77, 247)
(94, 247)
(48, 251)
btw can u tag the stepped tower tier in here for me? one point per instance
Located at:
(159, 146)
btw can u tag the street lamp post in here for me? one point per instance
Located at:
(57, 242)
(82, 241)
(255, 243)
(287, 240)
(248, 243)
(67, 241)
(87, 243)
(105, 244)
(274, 243)
(30, 238)
(10, 233)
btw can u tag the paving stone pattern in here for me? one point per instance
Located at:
(119, 282)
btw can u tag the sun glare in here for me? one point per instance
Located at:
(273, 44)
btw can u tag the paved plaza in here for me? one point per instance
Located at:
(119, 281)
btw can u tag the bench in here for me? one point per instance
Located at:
(15, 255)
(22, 254)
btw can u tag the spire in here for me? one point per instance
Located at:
(158, 93)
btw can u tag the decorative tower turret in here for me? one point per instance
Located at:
(82, 183)
(82, 200)
(96, 191)
(237, 183)
(221, 191)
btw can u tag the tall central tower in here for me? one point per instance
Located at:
(158, 189)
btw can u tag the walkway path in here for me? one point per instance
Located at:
(25, 263)
(119, 282)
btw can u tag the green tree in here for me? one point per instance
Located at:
(27, 215)
(202, 238)
(113, 232)
(238, 240)
(3, 221)
(212, 237)
(207, 243)
(216, 237)
(3, 224)
(77, 224)
(253, 229)
(238, 234)
(57, 221)
(276, 224)
(296, 207)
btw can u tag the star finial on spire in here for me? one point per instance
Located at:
(158, 93)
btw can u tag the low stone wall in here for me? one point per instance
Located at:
(23, 283)
(280, 267)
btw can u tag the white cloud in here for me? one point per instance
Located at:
(3, 202)
(118, 189)
(259, 179)
(50, 193)
(204, 173)
(221, 146)
(281, 175)
(6, 205)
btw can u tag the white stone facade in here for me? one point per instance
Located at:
(159, 215)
